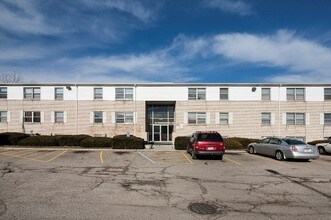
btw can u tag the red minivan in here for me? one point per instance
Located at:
(206, 143)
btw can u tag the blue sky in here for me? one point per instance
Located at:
(212, 41)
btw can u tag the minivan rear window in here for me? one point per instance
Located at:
(210, 137)
(293, 141)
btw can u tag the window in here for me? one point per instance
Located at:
(124, 94)
(295, 94)
(32, 93)
(197, 118)
(295, 118)
(224, 118)
(97, 93)
(124, 118)
(265, 118)
(3, 117)
(327, 93)
(3, 92)
(265, 94)
(98, 117)
(196, 94)
(33, 117)
(327, 118)
(59, 117)
(58, 93)
(224, 93)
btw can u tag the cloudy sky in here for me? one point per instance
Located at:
(113, 41)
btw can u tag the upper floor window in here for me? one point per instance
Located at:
(327, 118)
(196, 93)
(224, 118)
(3, 117)
(98, 117)
(58, 93)
(3, 92)
(224, 93)
(97, 93)
(58, 117)
(265, 118)
(32, 93)
(124, 94)
(197, 118)
(295, 118)
(265, 94)
(124, 117)
(295, 94)
(327, 93)
(32, 117)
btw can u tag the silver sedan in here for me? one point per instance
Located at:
(284, 148)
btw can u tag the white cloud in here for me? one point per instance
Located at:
(302, 58)
(231, 6)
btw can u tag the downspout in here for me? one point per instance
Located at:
(135, 112)
(279, 114)
(76, 125)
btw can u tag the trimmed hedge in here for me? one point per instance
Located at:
(39, 141)
(318, 142)
(181, 142)
(12, 138)
(96, 142)
(71, 140)
(124, 142)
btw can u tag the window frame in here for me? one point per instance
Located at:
(223, 95)
(127, 93)
(34, 117)
(97, 119)
(3, 92)
(198, 116)
(196, 94)
(265, 121)
(124, 117)
(327, 120)
(294, 118)
(223, 121)
(265, 96)
(3, 118)
(327, 96)
(294, 96)
(58, 95)
(56, 117)
(33, 95)
(98, 93)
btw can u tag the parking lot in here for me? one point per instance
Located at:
(149, 184)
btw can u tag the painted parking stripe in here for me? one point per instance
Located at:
(187, 158)
(101, 156)
(56, 156)
(146, 157)
(233, 161)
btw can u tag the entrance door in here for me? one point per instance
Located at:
(160, 133)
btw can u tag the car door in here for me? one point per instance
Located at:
(273, 145)
(261, 145)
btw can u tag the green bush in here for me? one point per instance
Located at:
(317, 142)
(180, 142)
(39, 141)
(12, 138)
(233, 143)
(71, 140)
(124, 142)
(96, 142)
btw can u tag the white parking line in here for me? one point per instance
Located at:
(146, 157)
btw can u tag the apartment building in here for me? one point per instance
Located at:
(161, 111)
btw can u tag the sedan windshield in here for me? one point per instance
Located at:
(293, 142)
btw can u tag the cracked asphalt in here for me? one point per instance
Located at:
(155, 185)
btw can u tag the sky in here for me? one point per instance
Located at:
(181, 41)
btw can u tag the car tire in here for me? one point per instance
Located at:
(321, 150)
(194, 156)
(221, 157)
(251, 150)
(279, 155)
(187, 151)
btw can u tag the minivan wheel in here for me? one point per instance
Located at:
(279, 155)
(221, 157)
(251, 150)
(321, 150)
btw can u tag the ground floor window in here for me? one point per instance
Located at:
(3, 117)
(59, 117)
(33, 117)
(295, 118)
(98, 117)
(224, 118)
(197, 118)
(327, 118)
(124, 117)
(266, 118)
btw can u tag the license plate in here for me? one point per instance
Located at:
(210, 148)
(307, 150)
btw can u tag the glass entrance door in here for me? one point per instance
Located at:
(160, 133)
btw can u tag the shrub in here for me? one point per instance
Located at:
(180, 142)
(39, 141)
(71, 140)
(317, 142)
(232, 143)
(12, 138)
(124, 142)
(96, 142)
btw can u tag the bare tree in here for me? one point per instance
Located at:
(11, 78)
